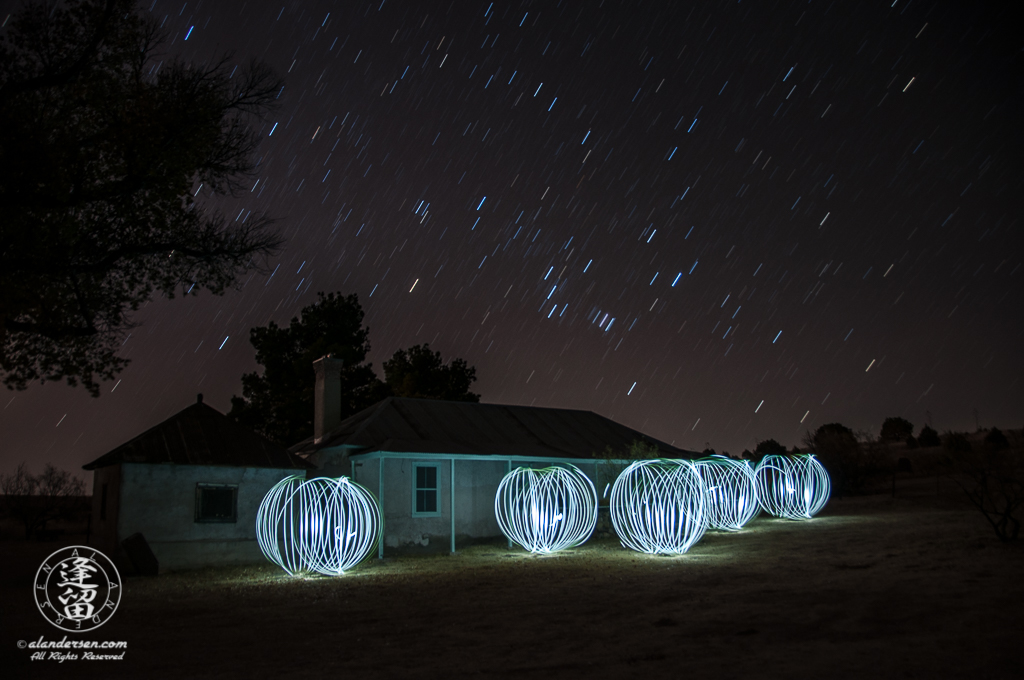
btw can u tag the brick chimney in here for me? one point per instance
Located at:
(327, 396)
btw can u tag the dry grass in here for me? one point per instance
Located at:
(912, 587)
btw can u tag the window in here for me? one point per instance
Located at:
(424, 497)
(217, 503)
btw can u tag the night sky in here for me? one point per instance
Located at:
(713, 222)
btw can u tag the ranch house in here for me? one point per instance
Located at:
(435, 466)
(191, 486)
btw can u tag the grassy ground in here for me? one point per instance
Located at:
(916, 586)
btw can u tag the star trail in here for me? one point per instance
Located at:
(715, 222)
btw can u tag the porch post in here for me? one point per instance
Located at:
(380, 501)
(451, 495)
(507, 470)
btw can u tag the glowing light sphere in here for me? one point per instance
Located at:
(659, 507)
(318, 525)
(732, 492)
(546, 510)
(792, 487)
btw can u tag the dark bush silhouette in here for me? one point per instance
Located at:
(928, 437)
(35, 500)
(996, 440)
(956, 443)
(896, 430)
(912, 442)
(847, 464)
(992, 477)
(769, 447)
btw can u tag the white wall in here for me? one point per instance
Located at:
(160, 502)
(476, 483)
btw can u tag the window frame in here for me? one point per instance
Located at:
(416, 488)
(204, 486)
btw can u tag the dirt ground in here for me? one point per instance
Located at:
(912, 587)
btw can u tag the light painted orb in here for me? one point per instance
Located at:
(546, 510)
(318, 525)
(732, 493)
(792, 487)
(659, 507)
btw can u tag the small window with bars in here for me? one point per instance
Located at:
(424, 497)
(216, 503)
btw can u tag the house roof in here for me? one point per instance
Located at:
(200, 435)
(444, 427)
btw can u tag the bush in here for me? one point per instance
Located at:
(769, 447)
(35, 500)
(840, 453)
(996, 440)
(928, 437)
(956, 443)
(992, 477)
(612, 462)
(896, 430)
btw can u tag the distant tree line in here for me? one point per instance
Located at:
(987, 466)
(36, 500)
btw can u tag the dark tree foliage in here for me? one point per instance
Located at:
(35, 500)
(103, 142)
(839, 451)
(769, 447)
(996, 440)
(421, 373)
(833, 430)
(279, 404)
(928, 437)
(896, 430)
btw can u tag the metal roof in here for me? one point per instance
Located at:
(457, 427)
(200, 435)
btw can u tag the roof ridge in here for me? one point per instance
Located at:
(199, 435)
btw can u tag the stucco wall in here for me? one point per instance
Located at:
(160, 502)
(476, 483)
(103, 527)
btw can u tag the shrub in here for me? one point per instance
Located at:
(840, 453)
(996, 440)
(896, 430)
(612, 462)
(928, 437)
(769, 447)
(956, 443)
(35, 500)
(992, 477)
